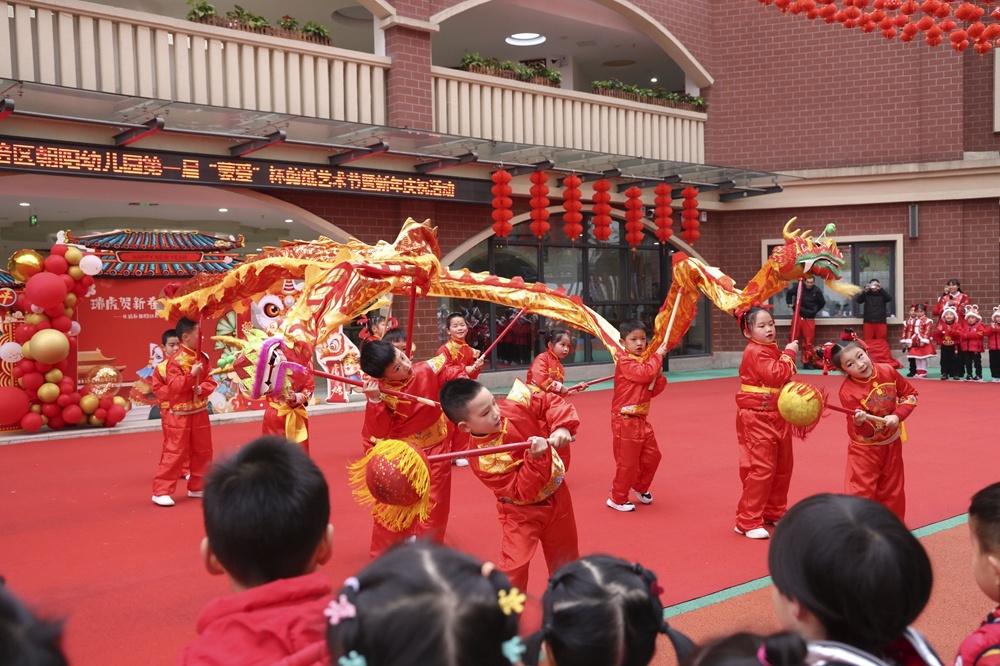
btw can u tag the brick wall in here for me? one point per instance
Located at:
(409, 92)
(978, 110)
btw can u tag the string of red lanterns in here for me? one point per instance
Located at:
(689, 214)
(960, 22)
(602, 210)
(633, 216)
(663, 214)
(571, 204)
(502, 203)
(539, 204)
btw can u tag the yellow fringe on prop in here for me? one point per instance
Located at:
(843, 288)
(392, 472)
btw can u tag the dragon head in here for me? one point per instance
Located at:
(803, 255)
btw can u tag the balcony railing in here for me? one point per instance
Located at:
(94, 47)
(502, 110)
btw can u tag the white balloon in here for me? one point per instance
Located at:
(37, 310)
(91, 264)
(10, 352)
(74, 328)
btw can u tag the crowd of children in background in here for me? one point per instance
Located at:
(961, 333)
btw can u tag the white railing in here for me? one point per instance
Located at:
(94, 47)
(501, 110)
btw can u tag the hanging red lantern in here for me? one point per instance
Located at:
(602, 210)
(690, 215)
(663, 215)
(571, 204)
(633, 216)
(539, 204)
(501, 204)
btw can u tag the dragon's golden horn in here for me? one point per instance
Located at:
(789, 235)
(231, 341)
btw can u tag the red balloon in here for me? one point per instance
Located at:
(72, 413)
(61, 365)
(26, 366)
(75, 398)
(68, 281)
(42, 367)
(31, 421)
(32, 381)
(55, 311)
(105, 403)
(62, 323)
(63, 400)
(79, 290)
(56, 422)
(23, 332)
(43, 325)
(101, 413)
(14, 404)
(87, 280)
(116, 414)
(51, 409)
(65, 390)
(46, 290)
(56, 264)
(16, 372)
(59, 250)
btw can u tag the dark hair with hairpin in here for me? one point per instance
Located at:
(554, 335)
(747, 318)
(603, 611)
(26, 640)
(984, 517)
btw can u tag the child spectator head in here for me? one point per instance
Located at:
(972, 315)
(846, 569)
(397, 338)
(375, 327)
(456, 325)
(954, 283)
(920, 309)
(267, 514)
(26, 640)
(949, 315)
(600, 611)
(470, 406)
(984, 530)
(170, 342)
(423, 603)
(995, 317)
(746, 649)
(381, 360)
(187, 331)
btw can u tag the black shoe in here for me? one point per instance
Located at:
(912, 373)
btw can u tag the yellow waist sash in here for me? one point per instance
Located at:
(296, 422)
(746, 388)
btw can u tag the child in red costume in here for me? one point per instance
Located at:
(993, 344)
(948, 334)
(547, 373)
(187, 431)
(422, 426)
(875, 452)
(973, 343)
(285, 414)
(917, 333)
(533, 499)
(459, 351)
(267, 520)
(765, 438)
(637, 382)
(982, 647)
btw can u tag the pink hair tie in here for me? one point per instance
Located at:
(762, 655)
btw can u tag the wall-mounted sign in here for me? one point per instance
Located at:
(109, 162)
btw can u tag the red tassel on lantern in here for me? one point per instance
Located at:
(633, 216)
(501, 204)
(690, 215)
(663, 214)
(539, 204)
(602, 208)
(572, 206)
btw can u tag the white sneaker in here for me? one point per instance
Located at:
(163, 500)
(755, 533)
(645, 498)
(627, 506)
(460, 462)
(196, 493)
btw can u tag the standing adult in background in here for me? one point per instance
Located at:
(812, 302)
(954, 297)
(876, 301)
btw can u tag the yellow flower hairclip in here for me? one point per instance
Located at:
(512, 602)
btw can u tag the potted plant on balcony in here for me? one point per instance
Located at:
(658, 96)
(477, 64)
(541, 75)
(200, 10)
(243, 19)
(316, 32)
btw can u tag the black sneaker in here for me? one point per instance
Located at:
(645, 498)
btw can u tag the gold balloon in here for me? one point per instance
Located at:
(103, 380)
(36, 409)
(26, 351)
(89, 404)
(73, 256)
(49, 346)
(25, 263)
(119, 400)
(35, 318)
(54, 375)
(94, 421)
(70, 300)
(75, 272)
(48, 392)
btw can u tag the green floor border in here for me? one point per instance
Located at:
(756, 584)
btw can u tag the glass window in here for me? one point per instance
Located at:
(863, 262)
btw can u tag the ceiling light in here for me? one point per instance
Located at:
(289, 221)
(223, 210)
(653, 80)
(525, 39)
(24, 203)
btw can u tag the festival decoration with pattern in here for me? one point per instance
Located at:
(127, 253)
(663, 214)
(501, 203)
(539, 204)
(633, 216)
(689, 215)
(571, 204)
(602, 210)
(962, 23)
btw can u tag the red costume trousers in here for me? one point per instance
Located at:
(765, 441)
(274, 424)
(184, 435)
(808, 328)
(440, 498)
(550, 523)
(876, 473)
(636, 455)
(876, 339)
